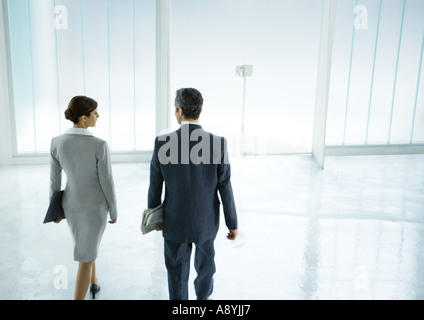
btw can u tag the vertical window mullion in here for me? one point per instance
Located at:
(134, 78)
(418, 89)
(58, 73)
(32, 75)
(396, 72)
(82, 45)
(349, 76)
(373, 70)
(108, 54)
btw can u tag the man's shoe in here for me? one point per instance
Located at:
(209, 295)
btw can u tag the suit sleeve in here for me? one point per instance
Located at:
(55, 172)
(104, 167)
(225, 189)
(156, 180)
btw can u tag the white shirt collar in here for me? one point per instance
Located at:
(79, 131)
(190, 122)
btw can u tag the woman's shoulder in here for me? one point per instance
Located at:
(91, 141)
(97, 144)
(98, 140)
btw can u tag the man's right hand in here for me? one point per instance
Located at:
(232, 234)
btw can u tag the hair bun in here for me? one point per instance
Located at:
(69, 114)
(80, 106)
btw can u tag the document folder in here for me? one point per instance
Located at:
(55, 210)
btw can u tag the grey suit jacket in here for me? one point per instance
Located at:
(194, 166)
(86, 162)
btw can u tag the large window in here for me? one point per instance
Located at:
(280, 39)
(377, 89)
(104, 49)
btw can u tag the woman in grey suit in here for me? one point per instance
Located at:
(89, 194)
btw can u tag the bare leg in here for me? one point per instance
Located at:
(83, 280)
(94, 279)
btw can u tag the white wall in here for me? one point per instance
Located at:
(323, 81)
(5, 127)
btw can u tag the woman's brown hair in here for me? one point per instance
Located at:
(80, 106)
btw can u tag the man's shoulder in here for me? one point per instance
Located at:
(200, 131)
(191, 145)
(165, 136)
(192, 130)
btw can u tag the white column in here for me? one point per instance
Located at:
(162, 67)
(6, 148)
(323, 81)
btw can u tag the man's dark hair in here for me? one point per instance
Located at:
(191, 101)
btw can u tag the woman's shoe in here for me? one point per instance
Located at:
(94, 289)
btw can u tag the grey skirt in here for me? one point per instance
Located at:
(87, 230)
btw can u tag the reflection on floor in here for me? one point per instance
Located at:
(352, 231)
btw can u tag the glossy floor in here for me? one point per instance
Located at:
(352, 231)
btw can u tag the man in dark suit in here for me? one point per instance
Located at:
(194, 166)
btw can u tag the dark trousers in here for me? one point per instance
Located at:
(177, 261)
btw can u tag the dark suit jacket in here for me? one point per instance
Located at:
(191, 204)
